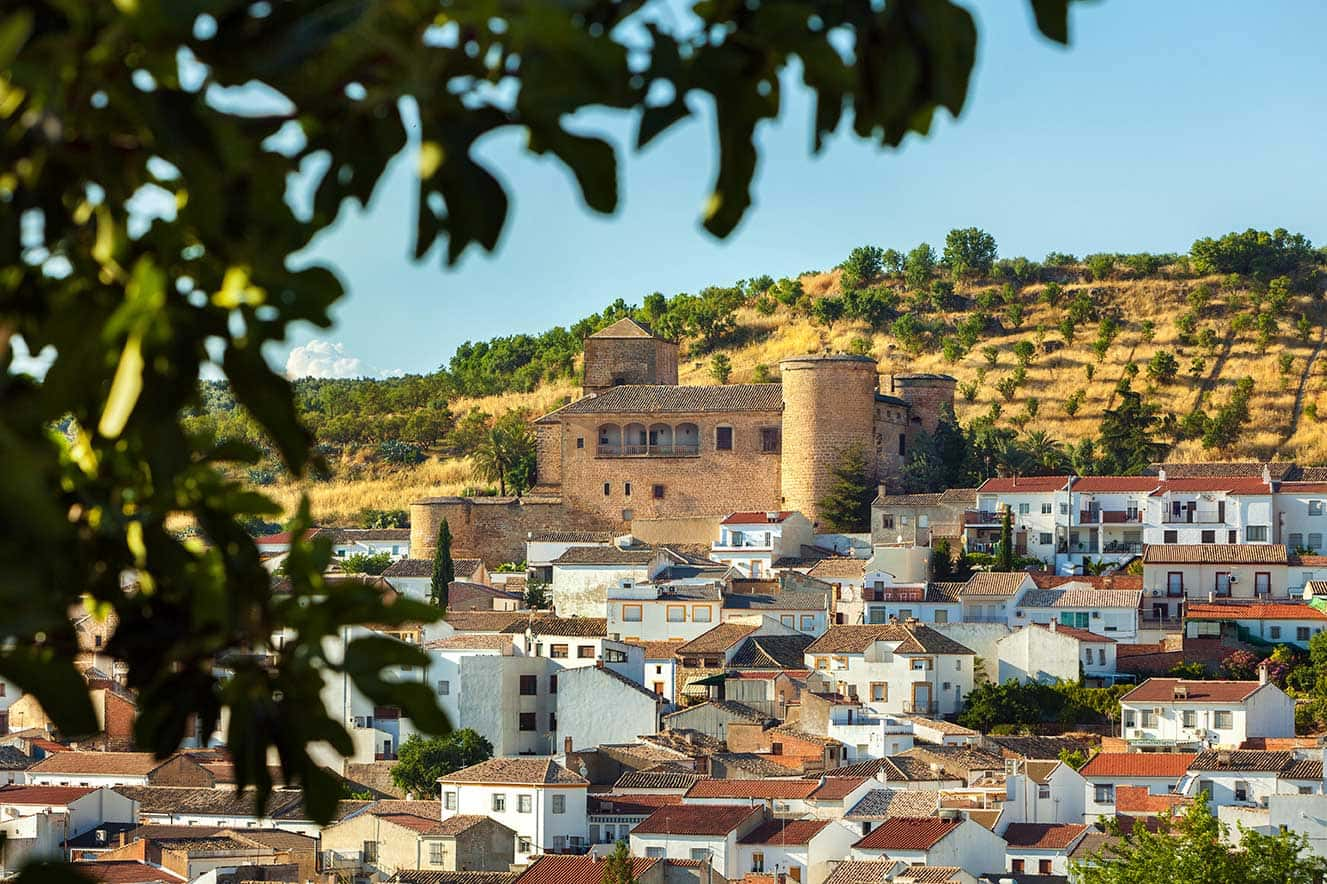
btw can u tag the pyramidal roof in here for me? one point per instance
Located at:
(624, 328)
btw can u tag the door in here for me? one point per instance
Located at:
(658, 689)
(1175, 583)
(921, 697)
(1222, 583)
(1262, 583)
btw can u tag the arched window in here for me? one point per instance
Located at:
(610, 439)
(661, 439)
(635, 439)
(686, 439)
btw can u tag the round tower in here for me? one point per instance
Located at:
(927, 396)
(828, 405)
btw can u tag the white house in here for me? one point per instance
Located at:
(542, 801)
(883, 600)
(1041, 848)
(1278, 623)
(1177, 713)
(1044, 792)
(945, 840)
(394, 542)
(990, 596)
(1204, 572)
(1210, 510)
(645, 611)
(1107, 612)
(1159, 772)
(220, 808)
(582, 575)
(895, 668)
(1032, 503)
(707, 833)
(803, 608)
(752, 542)
(542, 548)
(867, 734)
(598, 706)
(1053, 653)
(1103, 521)
(1250, 777)
(36, 821)
(96, 769)
(803, 850)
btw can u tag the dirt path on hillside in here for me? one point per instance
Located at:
(1293, 426)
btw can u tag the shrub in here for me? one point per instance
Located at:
(1033, 405)
(1081, 307)
(765, 305)
(952, 349)
(1311, 411)
(968, 390)
(862, 266)
(969, 252)
(1305, 328)
(788, 291)
(1090, 369)
(1024, 351)
(1007, 386)
(762, 374)
(1198, 298)
(1163, 366)
(721, 368)
(985, 299)
(1071, 405)
(1285, 362)
(1059, 259)
(1255, 253)
(1198, 366)
(366, 563)
(919, 266)
(859, 347)
(395, 451)
(991, 353)
(1100, 266)
(1208, 340)
(891, 262)
(1067, 327)
(1014, 314)
(1052, 294)
(909, 332)
(262, 476)
(1147, 331)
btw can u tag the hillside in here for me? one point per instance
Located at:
(1002, 333)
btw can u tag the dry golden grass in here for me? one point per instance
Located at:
(374, 487)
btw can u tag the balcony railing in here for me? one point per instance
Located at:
(679, 449)
(1194, 517)
(981, 517)
(912, 707)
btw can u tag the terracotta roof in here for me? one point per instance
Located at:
(839, 567)
(1138, 800)
(1047, 580)
(772, 652)
(281, 538)
(1167, 765)
(944, 727)
(903, 767)
(1224, 469)
(655, 399)
(1241, 760)
(659, 650)
(43, 795)
(785, 600)
(452, 826)
(483, 621)
(1043, 836)
(752, 789)
(625, 327)
(696, 819)
(281, 803)
(1035, 747)
(523, 771)
(1252, 611)
(1163, 690)
(1040, 771)
(855, 871)
(1214, 554)
(924, 874)
(1303, 769)
(135, 764)
(346, 535)
(582, 627)
(629, 805)
(994, 584)
(413, 876)
(1083, 635)
(785, 831)
(561, 868)
(1230, 485)
(1278, 743)
(606, 555)
(771, 517)
(470, 642)
(913, 639)
(962, 760)
(424, 568)
(656, 779)
(123, 871)
(907, 833)
(944, 591)
(858, 769)
(278, 839)
(718, 639)
(1021, 484)
(884, 803)
(838, 788)
(1107, 484)
(1071, 596)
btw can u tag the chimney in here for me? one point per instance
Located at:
(1054, 625)
(599, 663)
(566, 745)
(1262, 672)
(702, 765)
(1161, 474)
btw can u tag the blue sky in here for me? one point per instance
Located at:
(1161, 123)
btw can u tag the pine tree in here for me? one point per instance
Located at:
(444, 570)
(847, 506)
(1127, 444)
(619, 867)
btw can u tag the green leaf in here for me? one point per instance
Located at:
(366, 657)
(1053, 18)
(590, 159)
(269, 397)
(14, 32)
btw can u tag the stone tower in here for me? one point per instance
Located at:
(828, 405)
(926, 395)
(627, 352)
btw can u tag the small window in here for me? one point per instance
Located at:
(553, 684)
(769, 440)
(631, 613)
(1045, 538)
(654, 852)
(608, 489)
(887, 521)
(1275, 631)
(1024, 509)
(700, 853)
(657, 492)
(879, 692)
(1064, 509)
(1045, 509)
(1315, 507)
(529, 685)
(528, 721)
(552, 723)
(525, 845)
(559, 803)
(677, 614)
(1043, 791)
(557, 652)
(499, 802)
(1301, 633)
(1223, 719)
(449, 800)
(435, 853)
(1315, 542)
(902, 444)
(1256, 533)
(580, 441)
(788, 620)
(369, 851)
(523, 804)
(626, 489)
(700, 613)
(1103, 793)
(1171, 536)
(808, 622)
(1295, 541)
(723, 438)
(1209, 537)
(585, 652)
(444, 688)
(1232, 536)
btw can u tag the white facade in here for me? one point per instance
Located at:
(1055, 797)
(752, 542)
(649, 612)
(866, 735)
(719, 850)
(809, 863)
(545, 818)
(970, 846)
(596, 707)
(1204, 723)
(926, 684)
(1033, 654)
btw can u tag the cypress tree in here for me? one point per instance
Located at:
(847, 506)
(444, 570)
(619, 867)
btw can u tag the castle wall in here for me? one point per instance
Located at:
(548, 451)
(490, 528)
(891, 423)
(613, 361)
(828, 406)
(927, 395)
(711, 483)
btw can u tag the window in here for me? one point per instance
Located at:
(654, 852)
(557, 652)
(1170, 536)
(523, 803)
(525, 845)
(370, 851)
(677, 614)
(1043, 791)
(1241, 790)
(941, 616)
(1046, 509)
(769, 439)
(528, 721)
(723, 438)
(1315, 542)
(585, 652)
(1016, 865)
(921, 664)
(1262, 582)
(757, 862)
(1275, 631)
(879, 692)
(701, 613)
(1209, 537)
(626, 489)
(552, 723)
(657, 492)
(608, 489)
(700, 853)
(1064, 509)
(1043, 867)
(499, 802)
(1024, 509)
(1255, 533)
(1305, 790)
(808, 621)
(444, 688)
(905, 613)
(902, 444)
(1295, 541)
(1104, 793)
(1223, 719)
(631, 613)
(552, 684)
(887, 521)
(1301, 633)
(1188, 717)
(435, 853)
(1045, 538)
(449, 800)
(788, 620)
(580, 441)
(1149, 717)
(529, 685)
(559, 803)
(1315, 507)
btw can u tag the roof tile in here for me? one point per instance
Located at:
(908, 833)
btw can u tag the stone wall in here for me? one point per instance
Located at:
(927, 395)
(490, 528)
(693, 530)
(712, 483)
(613, 361)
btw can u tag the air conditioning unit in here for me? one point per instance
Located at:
(363, 721)
(1156, 593)
(1234, 578)
(1096, 615)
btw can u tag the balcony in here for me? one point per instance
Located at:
(981, 517)
(680, 449)
(1194, 517)
(1109, 517)
(911, 707)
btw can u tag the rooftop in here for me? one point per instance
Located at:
(769, 517)
(1043, 836)
(908, 833)
(1080, 596)
(1167, 765)
(752, 789)
(583, 627)
(1252, 611)
(658, 399)
(554, 868)
(912, 639)
(1165, 690)
(606, 555)
(994, 584)
(1215, 554)
(1021, 484)
(785, 831)
(718, 639)
(885, 803)
(696, 819)
(136, 764)
(523, 771)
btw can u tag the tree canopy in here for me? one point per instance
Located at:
(421, 760)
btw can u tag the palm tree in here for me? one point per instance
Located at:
(491, 458)
(1048, 454)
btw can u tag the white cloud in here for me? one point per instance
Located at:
(324, 359)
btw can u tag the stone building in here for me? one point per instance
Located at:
(640, 448)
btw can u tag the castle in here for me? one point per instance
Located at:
(640, 452)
